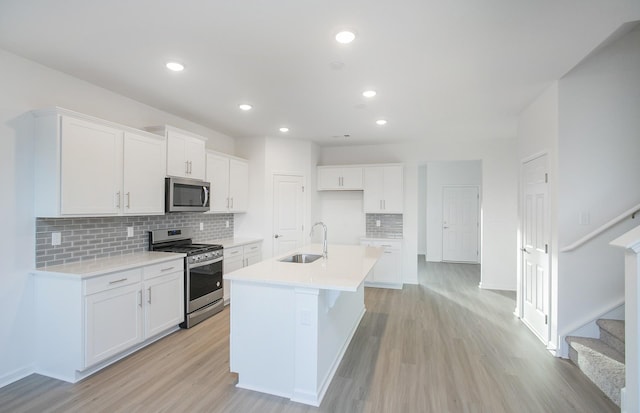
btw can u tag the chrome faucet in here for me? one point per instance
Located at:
(324, 237)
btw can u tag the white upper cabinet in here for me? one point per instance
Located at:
(143, 188)
(341, 178)
(383, 189)
(185, 154)
(229, 178)
(89, 167)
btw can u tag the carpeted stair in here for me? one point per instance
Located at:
(602, 360)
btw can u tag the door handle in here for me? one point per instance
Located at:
(445, 227)
(277, 236)
(524, 250)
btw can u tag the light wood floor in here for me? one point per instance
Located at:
(441, 346)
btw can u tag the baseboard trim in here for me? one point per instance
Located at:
(16, 375)
(488, 286)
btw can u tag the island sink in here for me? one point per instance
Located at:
(301, 258)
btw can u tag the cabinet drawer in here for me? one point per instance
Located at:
(251, 250)
(230, 253)
(110, 281)
(164, 268)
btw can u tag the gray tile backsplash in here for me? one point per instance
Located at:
(390, 225)
(90, 238)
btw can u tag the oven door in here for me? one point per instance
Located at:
(186, 195)
(203, 284)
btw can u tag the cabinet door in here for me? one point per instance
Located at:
(233, 260)
(392, 200)
(144, 172)
(195, 154)
(387, 269)
(176, 155)
(329, 178)
(252, 253)
(113, 322)
(91, 168)
(218, 176)
(373, 189)
(351, 178)
(164, 306)
(371, 274)
(238, 185)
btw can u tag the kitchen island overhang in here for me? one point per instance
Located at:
(291, 323)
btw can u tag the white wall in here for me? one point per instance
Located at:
(439, 175)
(26, 86)
(269, 156)
(499, 196)
(598, 170)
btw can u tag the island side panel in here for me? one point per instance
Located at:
(325, 323)
(339, 315)
(263, 337)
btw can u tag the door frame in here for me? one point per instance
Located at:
(519, 310)
(478, 217)
(305, 203)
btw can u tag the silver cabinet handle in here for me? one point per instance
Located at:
(384, 204)
(118, 199)
(277, 236)
(128, 199)
(149, 296)
(186, 167)
(117, 281)
(140, 298)
(167, 269)
(525, 250)
(190, 167)
(445, 227)
(232, 203)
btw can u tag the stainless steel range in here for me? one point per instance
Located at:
(202, 272)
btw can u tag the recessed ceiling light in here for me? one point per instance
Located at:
(345, 37)
(284, 129)
(175, 66)
(369, 93)
(245, 106)
(381, 122)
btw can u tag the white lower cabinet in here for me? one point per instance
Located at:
(240, 257)
(387, 273)
(112, 322)
(83, 325)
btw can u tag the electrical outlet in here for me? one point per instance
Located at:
(56, 238)
(227, 223)
(377, 222)
(129, 232)
(201, 226)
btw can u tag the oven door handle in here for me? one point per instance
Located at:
(203, 263)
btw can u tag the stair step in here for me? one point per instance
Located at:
(612, 333)
(601, 363)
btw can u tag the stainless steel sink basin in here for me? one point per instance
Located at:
(301, 258)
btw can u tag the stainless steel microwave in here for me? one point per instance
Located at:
(186, 195)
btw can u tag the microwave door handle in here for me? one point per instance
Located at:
(206, 195)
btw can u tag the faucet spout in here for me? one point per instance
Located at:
(324, 236)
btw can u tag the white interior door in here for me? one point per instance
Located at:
(535, 244)
(288, 214)
(460, 223)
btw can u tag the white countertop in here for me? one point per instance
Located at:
(345, 268)
(233, 242)
(101, 266)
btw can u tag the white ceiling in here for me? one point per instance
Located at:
(454, 70)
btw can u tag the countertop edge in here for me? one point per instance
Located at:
(234, 242)
(59, 270)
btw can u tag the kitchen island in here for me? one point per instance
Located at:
(291, 323)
